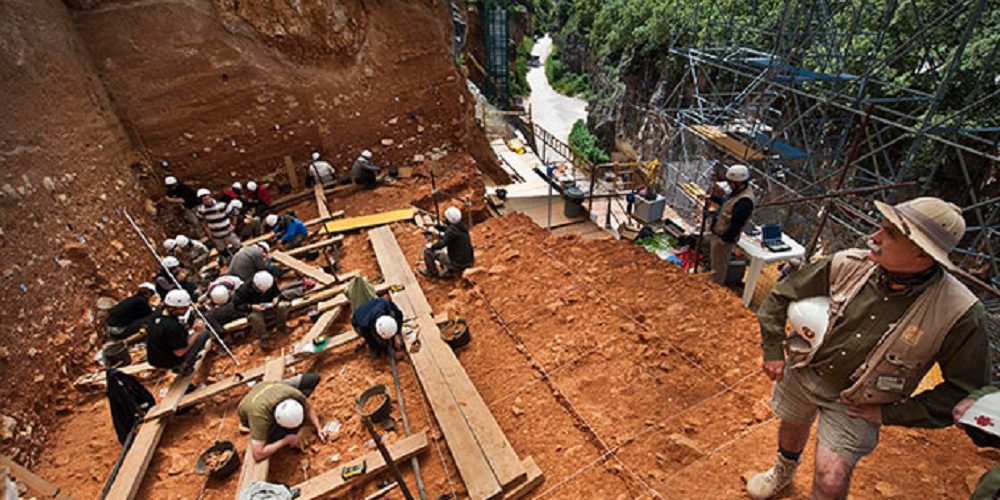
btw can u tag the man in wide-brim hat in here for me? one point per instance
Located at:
(892, 312)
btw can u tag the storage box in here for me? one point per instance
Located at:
(649, 211)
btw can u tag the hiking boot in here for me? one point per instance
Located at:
(768, 483)
(425, 272)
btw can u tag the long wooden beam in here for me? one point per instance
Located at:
(322, 209)
(304, 268)
(315, 246)
(31, 480)
(330, 482)
(274, 371)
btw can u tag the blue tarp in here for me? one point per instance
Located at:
(799, 74)
(785, 150)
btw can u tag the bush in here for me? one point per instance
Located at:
(519, 73)
(564, 81)
(583, 141)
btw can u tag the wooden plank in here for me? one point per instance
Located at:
(314, 297)
(98, 377)
(322, 209)
(341, 300)
(379, 219)
(322, 324)
(290, 199)
(470, 458)
(274, 371)
(311, 223)
(303, 268)
(31, 480)
(535, 479)
(137, 459)
(293, 176)
(315, 246)
(330, 483)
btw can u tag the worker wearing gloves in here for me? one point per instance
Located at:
(275, 411)
(192, 253)
(320, 171)
(131, 314)
(261, 299)
(854, 358)
(289, 230)
(730, 219)
(183, 196)
(169, 345)
(453, 250)
(216, 223)
(364, 172)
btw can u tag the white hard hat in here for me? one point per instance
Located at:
(235, 205)
(219, 294)
(177, 298)
(315, 155)
(809, 319)
(237, 186)
(147, 286)
(263, 280)
(271, 219)
(453, 214)
(738, 173)
(182, 241)
(386, 327)
(367, 154)
(289, 414)
(169, 244)
(170, 262)
(204, 192)
(170, 180)
(252, 186)
(264, 246)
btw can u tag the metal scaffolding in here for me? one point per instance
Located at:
(817, 111)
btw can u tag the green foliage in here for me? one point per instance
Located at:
(519, 73)
(583, 141)
(564, 81)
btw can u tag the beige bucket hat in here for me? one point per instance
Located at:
(932, 224)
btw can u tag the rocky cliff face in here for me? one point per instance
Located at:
(68, 170)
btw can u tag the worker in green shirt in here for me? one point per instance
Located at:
(275, 411)
(988, 487)
(866, 327)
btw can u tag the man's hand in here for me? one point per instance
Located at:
(871, 413)
(959, 410)
(291, 440)
(775, 369)
(258, 307)
(321, 434)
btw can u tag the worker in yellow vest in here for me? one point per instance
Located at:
(730, 219)
(884, 316)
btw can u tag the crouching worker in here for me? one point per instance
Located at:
(131, 314)
(453, 250)
(289, 230)
(260, 299)
(275, 411)
(219, 300)
(377, 320)
(168, 343)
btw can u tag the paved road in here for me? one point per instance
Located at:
(551, 110)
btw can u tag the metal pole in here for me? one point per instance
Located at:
(548, 220)
(194, 306)
(437, 210)
(387, 457)
(414, 463)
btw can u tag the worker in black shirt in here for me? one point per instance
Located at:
(453, 250)
(182, 195)
(729, 220)
(259, 299)
(131, 313)
(168, 344)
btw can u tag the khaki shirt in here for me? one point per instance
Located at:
(964, 355)
(256, 411)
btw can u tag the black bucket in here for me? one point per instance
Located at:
(382, 412)
(223, 470)
(457, 334)
(115, 355)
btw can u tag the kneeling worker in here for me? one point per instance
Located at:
(275, 411)
(255, 299)
(289, 230)
(453, 250)
(129, 315)
(377, 320)
(168, 343)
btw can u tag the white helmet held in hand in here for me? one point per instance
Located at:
(204, 192)
(263, 281)
(237, 186)
(171, 262)
(809, 320)
(252, 186)
(366, 154)
(453, 214)
(271, 220)
(219, 294)
(182, 241)
(177, 298)
(385, 327)
(170, 180)
(169, 244)
(289, 414)
(315, 155)
(738, 173)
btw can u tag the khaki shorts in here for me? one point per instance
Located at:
(802, 394)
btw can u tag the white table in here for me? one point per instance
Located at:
(760, 256)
